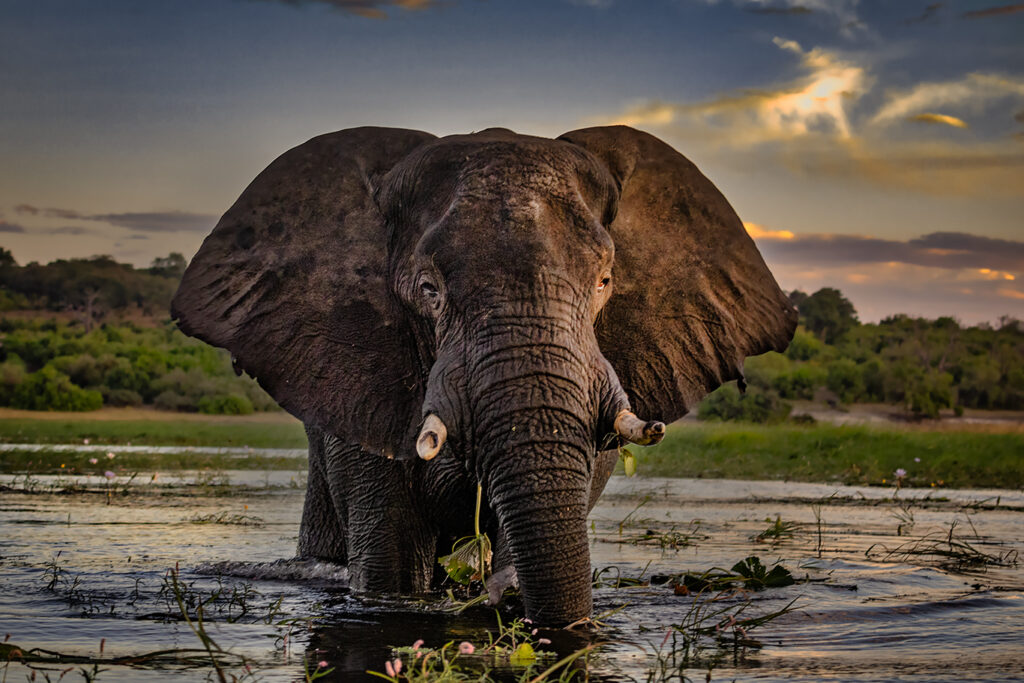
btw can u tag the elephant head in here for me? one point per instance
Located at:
(506, 300)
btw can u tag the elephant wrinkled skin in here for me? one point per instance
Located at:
(498, 304)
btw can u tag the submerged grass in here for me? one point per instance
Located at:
(851, 454)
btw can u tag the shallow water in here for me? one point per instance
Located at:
(84, 560)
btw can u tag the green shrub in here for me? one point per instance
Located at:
(231, 404)
(48, 389)
(172, 400)
(844, 378)
(756, 405)
(120, 397)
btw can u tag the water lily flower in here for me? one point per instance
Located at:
(900, 473)
(466, 648)
(93, 461)
(109, 475)
(110, 456)
(393, 667)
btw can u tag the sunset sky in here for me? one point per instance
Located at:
(877, 147)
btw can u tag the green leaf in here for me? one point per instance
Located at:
(523, 655)
(629, 463)
(469, 561)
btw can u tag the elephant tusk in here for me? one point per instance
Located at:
(633, 429)
(432, 437)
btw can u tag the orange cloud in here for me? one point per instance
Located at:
(760, 232)
(939, 118)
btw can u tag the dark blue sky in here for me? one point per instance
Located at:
(128, 127)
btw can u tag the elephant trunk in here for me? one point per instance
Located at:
(537, 415)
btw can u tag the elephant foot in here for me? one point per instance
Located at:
(499, 581)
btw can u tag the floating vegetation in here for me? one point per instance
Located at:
(515, 645)
(777, 531)
(750, 574)
(227, 518)
(670, 539)
(945, 550)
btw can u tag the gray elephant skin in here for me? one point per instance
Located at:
(506, 303)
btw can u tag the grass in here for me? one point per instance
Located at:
(850, 454)
(48, 462)
(272, 433)
(858, 455)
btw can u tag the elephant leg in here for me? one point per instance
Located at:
(322, 531)
(390, 544)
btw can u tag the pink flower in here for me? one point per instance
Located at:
(85, 441)
(900, 473)
(110, 456)
(418, 644)
(322, 664)
(466, 648)
(390, 669)
(109, 475)
(93, 461)
(543, 641)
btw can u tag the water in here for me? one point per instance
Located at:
(78, 567)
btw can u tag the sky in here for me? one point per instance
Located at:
(872, 146)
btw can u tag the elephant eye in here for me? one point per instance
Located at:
(429, 291)
(603, 283)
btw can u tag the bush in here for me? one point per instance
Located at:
(120, 397)
(844, 378)
(48, 389)
(756, 405)
(172, 400)
(232, 404)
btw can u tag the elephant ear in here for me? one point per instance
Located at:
(293, 282)
(692, 296)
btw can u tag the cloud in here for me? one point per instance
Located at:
(972, 92)
(947, 250)
(69, 230)
(159, 221)
(938, 118)
(757, 231)
(994, 11)
(929, 13)
(153, 221)
(973, 277)
(812, 105)
(371, 9)
(789, 11)
(10, 227)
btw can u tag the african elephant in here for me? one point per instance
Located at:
(405, 294)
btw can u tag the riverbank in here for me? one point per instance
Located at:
(974, 454)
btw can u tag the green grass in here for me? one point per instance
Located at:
(161, 432)
(831, 453)
(48, 462)
(858, 455)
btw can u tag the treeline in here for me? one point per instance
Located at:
(923, 366)
(90, 289)
(47, 365)
(99, 356)
(96, 332)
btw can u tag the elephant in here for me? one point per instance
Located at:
(489, 309)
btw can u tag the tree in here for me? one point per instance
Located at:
(172, 266)
(827, 313)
